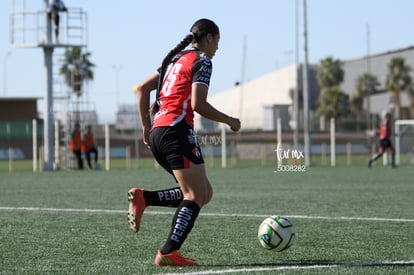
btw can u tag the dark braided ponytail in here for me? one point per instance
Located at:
(181, 46)
(200, 28)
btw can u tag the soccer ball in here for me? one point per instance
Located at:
(276, 233)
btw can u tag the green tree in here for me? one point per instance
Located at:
(411, 99)
(77, 69)
(398, 80)
(330, 73)
(366, 84)
(332, 101)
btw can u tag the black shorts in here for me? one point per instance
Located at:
(174, 147)
(385, 143)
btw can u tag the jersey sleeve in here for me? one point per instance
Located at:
(202, 71)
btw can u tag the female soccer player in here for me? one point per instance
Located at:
(182, 85)
(385, 141)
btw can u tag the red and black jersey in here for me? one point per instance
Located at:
(385, 130)
(186, 69)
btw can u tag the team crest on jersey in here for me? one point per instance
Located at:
(196, 152)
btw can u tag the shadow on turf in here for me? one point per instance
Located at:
(314, 263)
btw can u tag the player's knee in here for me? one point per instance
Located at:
(209, 193)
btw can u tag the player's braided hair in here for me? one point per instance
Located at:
(199, 29)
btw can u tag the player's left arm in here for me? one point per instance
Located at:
(200, 105)
(199, 89)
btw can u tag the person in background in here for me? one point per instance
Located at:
(75, 145)
(89, 147)
(385, 141)
(56, 6)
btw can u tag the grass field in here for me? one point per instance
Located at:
(349, 220)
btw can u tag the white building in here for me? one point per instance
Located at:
(259, 102)
(127, 119)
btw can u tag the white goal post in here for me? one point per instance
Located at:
(398, 134)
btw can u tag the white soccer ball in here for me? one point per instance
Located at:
(276, 233)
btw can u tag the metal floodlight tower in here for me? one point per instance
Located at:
(296, 92)
(30, 29)
(306, 126)
(48, 96)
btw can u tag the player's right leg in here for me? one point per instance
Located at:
(136, 208)
(139, 199)
(392, 153)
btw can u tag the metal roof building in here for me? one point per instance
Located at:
(260, 101)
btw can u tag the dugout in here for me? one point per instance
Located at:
(16, 116)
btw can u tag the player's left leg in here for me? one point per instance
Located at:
(197, 192)
(56, 19)
(377, 155)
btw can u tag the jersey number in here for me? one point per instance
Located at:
(170, 79)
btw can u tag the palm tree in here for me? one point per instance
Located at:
(398, 80)
(411, 99)
(332, 101)
(366, 84)
(77, 69)
(330, 73)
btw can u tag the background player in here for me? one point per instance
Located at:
(75, 144)
(385, 141)
(89, 147)
(56, 6)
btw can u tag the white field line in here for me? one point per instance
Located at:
(295, 267)
(108, 211)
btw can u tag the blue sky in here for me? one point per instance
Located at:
(137, 34)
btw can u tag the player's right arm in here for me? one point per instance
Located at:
(143, 92)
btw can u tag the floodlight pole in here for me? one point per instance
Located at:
(369, 72)
(48, 96)
(5, 73)
(296, 92)
(242, 77)
(306, 133)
